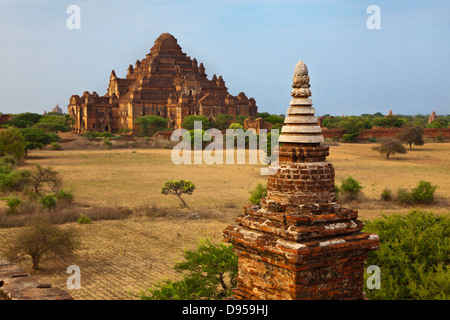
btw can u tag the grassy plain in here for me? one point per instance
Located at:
(118, 258)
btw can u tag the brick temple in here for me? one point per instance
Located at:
(299, 243)
(166, 83)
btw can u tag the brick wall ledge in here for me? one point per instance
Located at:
(17, 284)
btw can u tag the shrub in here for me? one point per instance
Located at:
(350, 188)
(257, 193)
(13, 202)
(91, 134)
(210, 272)
(107, 143)
(403, 195)
(106, 134)
(56, 146)
(84, 219)
(386, 194)
(48, 201)
(373, 139)
(41, 240)
(11, 179)
(413, 257)
(64, 195)
(439, 137)
(12, 143)
(337, 191)
(423, 193)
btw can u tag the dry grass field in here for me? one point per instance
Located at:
(121, 257)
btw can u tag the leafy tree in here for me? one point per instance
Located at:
(222, 121)
(12, 143)
(240, 119)
(188, 122)
(236, 126)
(178, 188)
(41, 240)
(54, 123)
(24, 120)
(37, 138)
(412, 135)
(210, 272)
(353, 125)
(439, 123)
(390, 145)
(389, 122)
(149, 125)
(414, 256)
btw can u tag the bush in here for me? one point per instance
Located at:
(48, 201)
(91, 134)
(210, 272)
(386, 194)
(423, 193)
(257, 193)
(439, 137)
(64, 195)
(13, 202)
(84, 219)
(107, 143)
(413, 257)
(11, 179)
(350, 188)
(56, 146)
(12, 143)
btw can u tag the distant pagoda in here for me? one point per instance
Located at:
(166, 83)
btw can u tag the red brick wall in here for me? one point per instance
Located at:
(382, 132)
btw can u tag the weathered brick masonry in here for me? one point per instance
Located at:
(299, 243)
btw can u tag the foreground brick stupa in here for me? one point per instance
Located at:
(299, 243)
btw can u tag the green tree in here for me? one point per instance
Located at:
(236, 126)
(12, 143)
(37, 138)
(149, 125)
(439, 123)
(54, 123)
(188, 122)
(209, 272)
(178, 188)
(24, 120)
(222, 121)
(414, 256)
(353, 125)
(390, 145)
(389, 122)
(412, 135)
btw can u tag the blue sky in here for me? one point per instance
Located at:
(254, 45)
